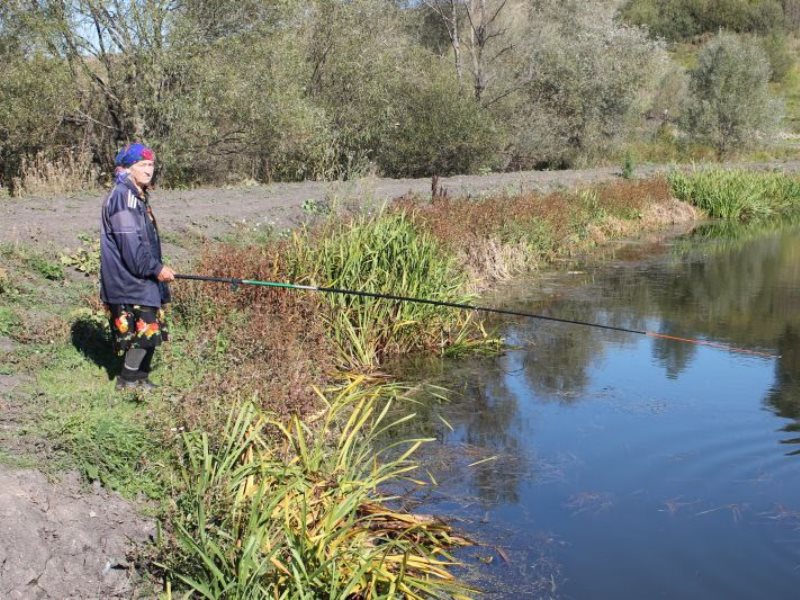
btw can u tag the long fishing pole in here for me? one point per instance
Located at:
(235, 282)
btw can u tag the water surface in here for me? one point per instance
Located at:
(622, 466)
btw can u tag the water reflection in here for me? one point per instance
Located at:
(646, 429)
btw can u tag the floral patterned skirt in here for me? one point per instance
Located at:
(135, 326)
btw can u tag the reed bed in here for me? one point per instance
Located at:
(737, 194)
(277, 509)
(387, 254)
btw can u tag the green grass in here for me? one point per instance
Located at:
(9, 320)
(737, 194)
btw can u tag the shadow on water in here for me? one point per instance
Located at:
(92, 339)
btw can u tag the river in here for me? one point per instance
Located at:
(602, 465)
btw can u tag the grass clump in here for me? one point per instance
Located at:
(386, 254)
(738, 195)
(304, 516)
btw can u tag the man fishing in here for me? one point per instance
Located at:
(133, 279)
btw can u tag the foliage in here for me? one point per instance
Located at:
(435, 129)
(738, 195)
(86, 259)
(34, 100)
(304, 516)
(585, 73)
(116, 451)
(8, 320)
(681, 19)
(384, 254)
(781, 56)
(49, 269)
(628, 166)
(730, 103)
(230, 91)
(499, 236)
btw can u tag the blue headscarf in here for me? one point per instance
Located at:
(133, 153)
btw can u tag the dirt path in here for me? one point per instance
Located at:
(207, 213)
(60, 541)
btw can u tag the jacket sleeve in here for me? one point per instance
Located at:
(128, 231)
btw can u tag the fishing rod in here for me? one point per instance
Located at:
(236, 282)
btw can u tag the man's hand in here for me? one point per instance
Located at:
(166, 274)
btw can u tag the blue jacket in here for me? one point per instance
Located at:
(130, 249)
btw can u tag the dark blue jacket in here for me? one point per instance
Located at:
(130, 249)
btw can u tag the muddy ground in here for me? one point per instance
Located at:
(62, 540)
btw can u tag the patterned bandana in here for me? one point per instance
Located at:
(133, 153)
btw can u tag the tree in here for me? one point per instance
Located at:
(730, 104)
(485, 28)
(582, 80)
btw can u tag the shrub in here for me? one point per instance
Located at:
(65, 171)
(730, 104)
(781, 57)
(435, 129)
(586, 75)
(683, 19)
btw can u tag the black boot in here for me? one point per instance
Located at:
(127, 380)
(145, 369)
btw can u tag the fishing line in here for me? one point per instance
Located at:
(235, 283)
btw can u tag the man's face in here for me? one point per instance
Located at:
(142, 172)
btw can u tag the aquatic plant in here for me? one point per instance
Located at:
(737, 194)
(275, 509)
(385, 254)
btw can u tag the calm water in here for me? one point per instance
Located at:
(620, 466)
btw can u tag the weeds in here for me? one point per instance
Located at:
(304, 517)
(497, 237)
(384, 254)
(86, 259)
(9, 321)
(71, 172)
(115, 450)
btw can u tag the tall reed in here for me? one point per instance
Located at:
(737, 194)
(67, 173)
(305, 517)
(386, 254)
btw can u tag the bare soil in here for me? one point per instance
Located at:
(207, 213)
(59, 540)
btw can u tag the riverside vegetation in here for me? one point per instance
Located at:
(232, 91)
(261, 450)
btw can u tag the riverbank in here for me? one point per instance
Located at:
(60, 407)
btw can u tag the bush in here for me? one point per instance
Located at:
(684, 19)
(730, 104)
(781, 58)
(587, 73)
(436, 130)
